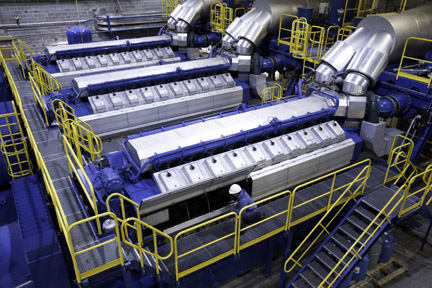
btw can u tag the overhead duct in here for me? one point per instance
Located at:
(248, 31)
(378, 39)
(185, 15)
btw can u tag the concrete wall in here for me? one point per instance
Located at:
(45, 22)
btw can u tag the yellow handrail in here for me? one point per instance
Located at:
(51, 191)
(426, 80)
(212, 260)
(221, 16)
(122, 199)
(47, 83)
(360, 10)
(399, 157)
(356, 252)
(7, 49)
(283, 19)
(320, 224)
(22, 51)
(77, 169)
(268, 218)
(426, 179)
(120, 261)
(168, 7)
(138, 227)
(38, 97)
(14, 145)
(274, 93)
(329, 194)
(78, 132)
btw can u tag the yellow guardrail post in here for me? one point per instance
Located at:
(405, 188)
(362, 177)
(291, 223)
(79, 133)
(122, 199)
(14, 145)
(285, 18)
(275, 93)
(87, 186)
(168, 7)
(80, 276)
(212, 260)
(426, 80)
(268, 218)
(124, 231)
(398, 157)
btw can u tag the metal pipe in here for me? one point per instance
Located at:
(247, 32)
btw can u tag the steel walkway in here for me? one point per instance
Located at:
(50, 145)
(215, 232)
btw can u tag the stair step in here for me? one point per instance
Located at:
(358, 223)
(354, 235)
(299, 284)
(336, 252)
(321, 271)
(345, 243)
(310, 278)
(328, 261)
(365, 213)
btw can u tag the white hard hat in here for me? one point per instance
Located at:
(234, 189)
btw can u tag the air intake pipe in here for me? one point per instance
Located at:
(247, 32)
(379, 39)
(187, 14)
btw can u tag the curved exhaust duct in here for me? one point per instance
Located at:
(248, 31)
(185, 15)
(379, 39)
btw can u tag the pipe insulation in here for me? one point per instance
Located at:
(379, 39)
(248, 31)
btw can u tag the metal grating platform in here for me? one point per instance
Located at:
(49, 142)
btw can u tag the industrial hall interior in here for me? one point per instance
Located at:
(215, 143)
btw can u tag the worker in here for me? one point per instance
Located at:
(251, 214)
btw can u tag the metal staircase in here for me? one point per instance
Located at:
(361, 227)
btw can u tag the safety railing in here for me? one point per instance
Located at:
(332, 214)
(168, 7)
(378, 222)
(299, 38)
(362, 8)
(8, 50)
(122, 199)
(239, 11)
(138, 225)
(217, 239)
(427, 78)
(281, 215)
(221, 16)
(399, 160)
(78, 132)
(14, 145)
(76, 169)
(47, 83)
(38, 97)
(345, 32)
(22, 52)
(49, 186)
(402, 5)
(420, 193)
(285, 33)
(119, 261)
(359, 185)
(272, 94)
